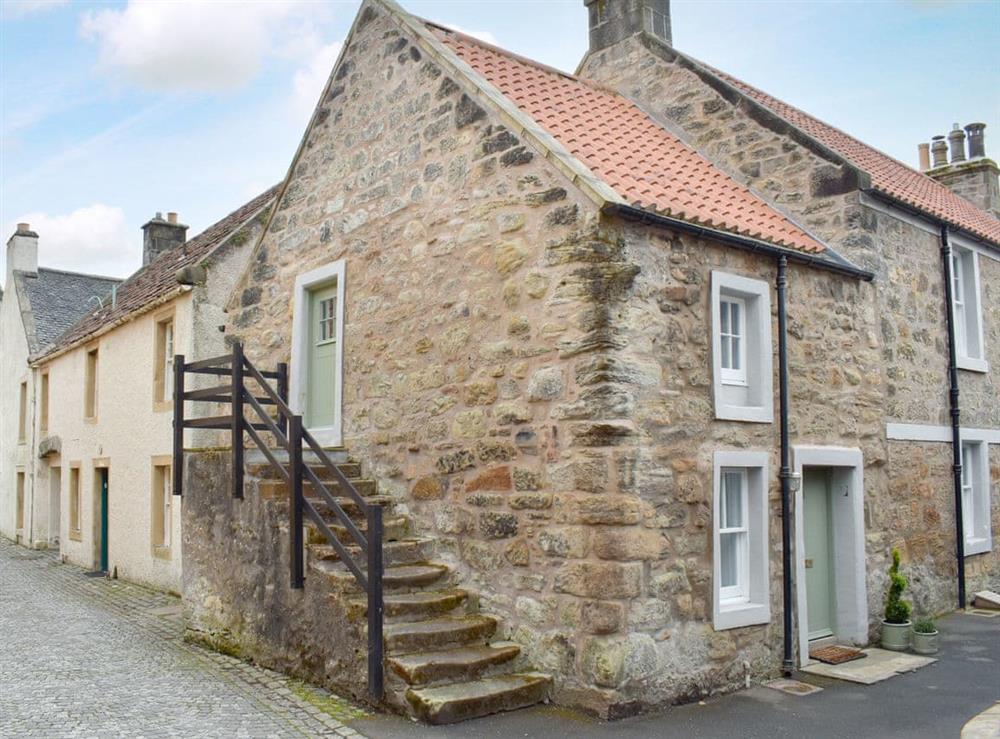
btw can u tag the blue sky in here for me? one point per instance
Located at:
(112, 111)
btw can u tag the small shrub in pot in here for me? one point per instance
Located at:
(896, 624)
(925, 636)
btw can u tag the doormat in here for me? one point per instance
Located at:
(95, 574)
(834, 655)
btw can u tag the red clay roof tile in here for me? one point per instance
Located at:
(646, 164)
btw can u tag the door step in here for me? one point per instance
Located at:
(451, 703)
(458, 663)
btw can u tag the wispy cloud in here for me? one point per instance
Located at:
(13, 9)
(481, 35)
(308, 82)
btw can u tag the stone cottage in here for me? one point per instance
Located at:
(101, 429)
(36, 305)
(650, 371)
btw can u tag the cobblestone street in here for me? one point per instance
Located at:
(90, 657)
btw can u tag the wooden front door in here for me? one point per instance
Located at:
(103, 542)
(321, 397)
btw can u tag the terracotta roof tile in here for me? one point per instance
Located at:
(888, 175)
(646, 164)
(158, 278)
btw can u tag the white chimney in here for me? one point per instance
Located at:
(22, 250)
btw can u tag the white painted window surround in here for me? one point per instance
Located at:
(976, 497)
(327, 436)
(741, 597)
(967, 310)
(742, 382)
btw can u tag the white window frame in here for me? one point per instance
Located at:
(976, 509)
(757, 382)
(327, 436)
(738, 335)
(730, 609)
(967, 313)
(740, 592)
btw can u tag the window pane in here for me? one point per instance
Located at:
(736, 352)
(732, 500)
(724, 314)
(729, 560)
(736, 319)
(726, 354)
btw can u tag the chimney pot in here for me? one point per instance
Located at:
(977, 140)
(939, 149)
(957, 140)
(24, 227)
(171, 217)
(924, 151)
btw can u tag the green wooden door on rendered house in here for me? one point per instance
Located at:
(103, 472)
(321, 397)
(818, 552)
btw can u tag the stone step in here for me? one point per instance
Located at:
(278, 489)
(394, 528)
(265, 471)
(404, 552)
(437, 633)
(448, 704)
(458, 663)
(401, 578)
(424, 604)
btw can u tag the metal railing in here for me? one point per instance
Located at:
(289, 434)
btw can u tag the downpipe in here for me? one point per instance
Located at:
(785, 474)
(956, 426)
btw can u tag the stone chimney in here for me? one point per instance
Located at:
(22, 251)
(969, 173)
(159, 235)
(612, 21)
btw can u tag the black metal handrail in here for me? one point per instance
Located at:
(289, 434)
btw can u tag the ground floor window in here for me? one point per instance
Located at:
(740, 540)
(162, 508)
(976, 497)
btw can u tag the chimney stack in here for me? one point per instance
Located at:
(924, 152)
(974, 177)
(22, 250)
(611, 21)
(159, 236)
(977, 140)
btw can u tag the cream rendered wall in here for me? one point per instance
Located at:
(128, 432)
(13, 371)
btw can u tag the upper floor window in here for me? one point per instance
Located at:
(22, 414)
(741, 349)
(43, 402)
(976, 498)
(163, 378)
(90, 385)
(967, 310)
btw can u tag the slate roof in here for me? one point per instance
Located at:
(158, 278)
(888, 175)
(643, 162)
(52, 300)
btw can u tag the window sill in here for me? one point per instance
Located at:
(977, 546)
(161, 552)
(741, 614)
(735, 383)
(973, 364)
(749, 413)
(75, 535)
(160, 406)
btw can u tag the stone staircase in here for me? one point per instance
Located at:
(443, 664)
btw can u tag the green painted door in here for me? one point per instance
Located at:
(818, 552)
(321, 395)
(103, 472)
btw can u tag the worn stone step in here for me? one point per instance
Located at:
(405, 552)
(278, 489)
(448, 704)
(458, 663)
(416, 606)
(437, 633)
(259, 464)
(399, 578)
(394, 528)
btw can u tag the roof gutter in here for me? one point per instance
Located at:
(747, 243)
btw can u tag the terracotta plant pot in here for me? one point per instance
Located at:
(925, 642)
(896, 636)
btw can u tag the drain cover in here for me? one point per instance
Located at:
(793, 687)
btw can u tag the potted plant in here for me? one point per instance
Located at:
(896, 624)
(925, 636)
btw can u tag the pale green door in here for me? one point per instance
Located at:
(818, 552)
(321, 396)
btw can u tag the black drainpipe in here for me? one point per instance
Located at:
(785, 475)
(956, 428)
